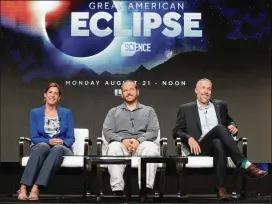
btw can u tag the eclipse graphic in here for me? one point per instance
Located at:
(61, 29)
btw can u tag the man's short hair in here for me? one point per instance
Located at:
(129, 80)
(204, 79)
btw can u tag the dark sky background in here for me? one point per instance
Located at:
(231, 19)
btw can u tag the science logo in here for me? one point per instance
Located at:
(128, 49)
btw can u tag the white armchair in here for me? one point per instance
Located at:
(80, 148)
(102, 146)
(206, 162)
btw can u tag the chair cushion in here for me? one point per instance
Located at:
(69, 161)
(80, 135)
(204, 162)
(135, 162)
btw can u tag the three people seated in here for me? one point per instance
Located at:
(131, 128)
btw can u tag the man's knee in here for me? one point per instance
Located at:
(115, 148)
(217, 143)
(220, 127)
(221, 130)
(149, 148)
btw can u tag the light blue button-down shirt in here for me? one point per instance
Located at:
(208, 118)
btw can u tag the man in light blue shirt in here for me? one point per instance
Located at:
(205, 127)
(207, 117)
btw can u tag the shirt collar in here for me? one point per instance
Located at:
(203, 108)
(138, 106)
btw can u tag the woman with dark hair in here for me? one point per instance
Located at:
(52, 137)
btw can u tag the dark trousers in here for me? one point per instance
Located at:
(219, 143)
(43, 162)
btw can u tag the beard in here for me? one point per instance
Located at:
(131, 100)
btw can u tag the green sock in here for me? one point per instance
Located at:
(245, 164)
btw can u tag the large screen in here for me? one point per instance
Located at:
(90, 47)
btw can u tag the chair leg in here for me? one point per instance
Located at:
(181, 177)
(162, 182)
(243, 193)
(235, 182)
(86, 171)
(85, 180)
(128, 183)
(100, 181)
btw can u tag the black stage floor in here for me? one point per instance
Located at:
(261, 199)
(199, 186)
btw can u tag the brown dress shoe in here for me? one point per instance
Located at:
(254, 172)
(222, 194)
